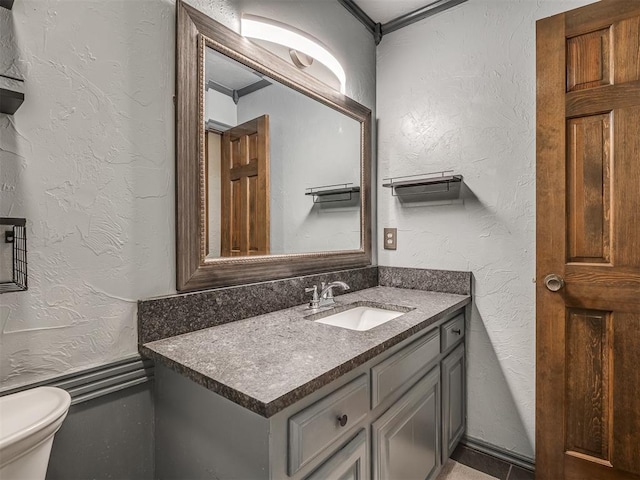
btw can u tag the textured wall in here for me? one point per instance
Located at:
(457, 91)
(89, 159)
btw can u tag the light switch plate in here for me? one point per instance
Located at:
(390, 239)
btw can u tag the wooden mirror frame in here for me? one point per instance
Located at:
(195, 31)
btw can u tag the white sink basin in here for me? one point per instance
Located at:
(360, 318)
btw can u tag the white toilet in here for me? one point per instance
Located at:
(28, 422)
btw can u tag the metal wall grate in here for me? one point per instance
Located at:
(16, 235)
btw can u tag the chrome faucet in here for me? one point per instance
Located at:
(325, 297)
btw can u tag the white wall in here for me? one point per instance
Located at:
(220, 108)
(89, 161)
(457, 91)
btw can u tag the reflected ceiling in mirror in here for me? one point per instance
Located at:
(266, 146)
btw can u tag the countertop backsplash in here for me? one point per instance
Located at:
(164, 317)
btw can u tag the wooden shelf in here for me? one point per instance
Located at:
(10, 101)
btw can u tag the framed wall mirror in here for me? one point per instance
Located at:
(272, 165)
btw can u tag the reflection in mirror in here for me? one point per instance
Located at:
(266, 145)
(254, 221)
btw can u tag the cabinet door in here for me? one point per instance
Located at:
(349, 463)
(406, 443)
(453, 400)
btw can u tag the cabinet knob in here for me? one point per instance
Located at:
(457, 331)
(342, 420)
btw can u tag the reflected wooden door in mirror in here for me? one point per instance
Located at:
(244, 179)
(253, 135)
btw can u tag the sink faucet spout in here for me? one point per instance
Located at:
(326, 292)
(325, 296)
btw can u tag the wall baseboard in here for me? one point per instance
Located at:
(513, 458)
(98, 381)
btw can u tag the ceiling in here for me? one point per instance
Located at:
(383, 11)
(379, 16)
(386, 16)
(227, 73)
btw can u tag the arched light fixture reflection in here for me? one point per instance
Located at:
(271, 31)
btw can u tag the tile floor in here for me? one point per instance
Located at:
(453, 470)
(491, 467)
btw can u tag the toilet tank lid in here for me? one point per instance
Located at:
(24, 413)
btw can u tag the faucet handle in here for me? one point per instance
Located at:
(315, 301)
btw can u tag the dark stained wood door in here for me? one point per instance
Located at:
(588, 234)
(245, 189)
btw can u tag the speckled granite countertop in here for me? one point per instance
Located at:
(269, 362)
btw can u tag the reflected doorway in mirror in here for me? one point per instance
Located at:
(244, 189)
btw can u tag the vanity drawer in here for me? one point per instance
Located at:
(452, 331)
(390, 375)
(326, 421)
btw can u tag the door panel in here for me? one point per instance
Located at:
(351, 462)
(406, 438)
(626, 184)
(588, 63)
(588, 232)
(626, 381)
(236, 217)
(588, 189)
(627, 41)
(254, 223)
(588, 423)
(453, 400)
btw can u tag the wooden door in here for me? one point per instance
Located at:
(588, 234)
(245, 189)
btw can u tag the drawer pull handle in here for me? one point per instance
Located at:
(456, 331)
(342, 420)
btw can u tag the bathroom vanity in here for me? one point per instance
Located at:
(282, 395)
(289, 394)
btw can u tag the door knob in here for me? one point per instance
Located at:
(553, 282)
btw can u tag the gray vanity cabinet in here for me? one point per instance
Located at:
(454, 412)
(349, 463)
(406, 437)
(453, 400)
(397, 416)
